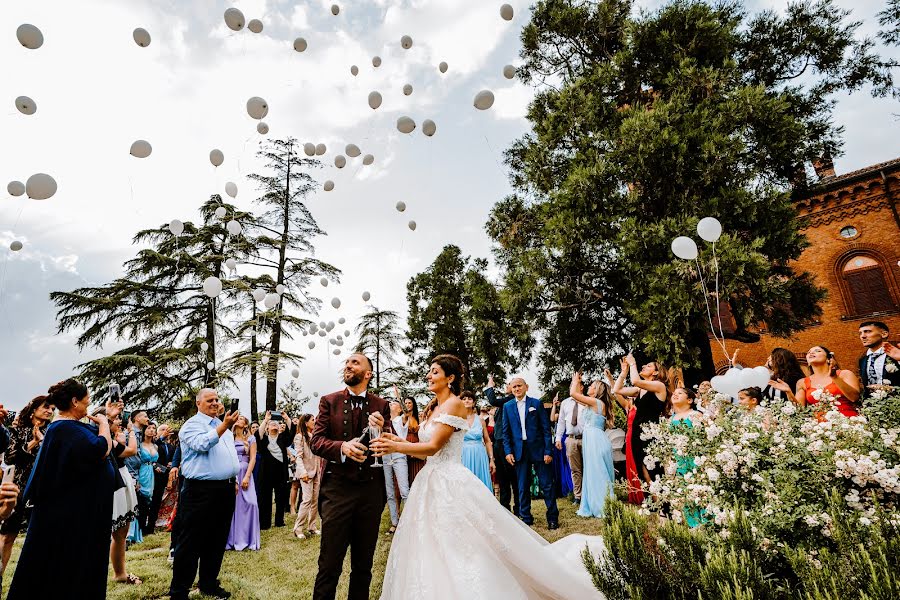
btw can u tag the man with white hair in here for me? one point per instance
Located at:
(209, 464)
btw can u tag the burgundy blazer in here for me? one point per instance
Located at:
(332, 429)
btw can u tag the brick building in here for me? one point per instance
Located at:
(853, 227)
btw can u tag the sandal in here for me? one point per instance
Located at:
(392, 530)
(130, 580)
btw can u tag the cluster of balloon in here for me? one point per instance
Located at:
(26, 105)
(300, 45)
(212, 287)
(29, 36)
(735, 380)
(141, 149)
(366, 296)
(141, 37)
(216, 157)
(484, 100)
(708, 228)
(231, 189)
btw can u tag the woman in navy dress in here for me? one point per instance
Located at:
(71, 489)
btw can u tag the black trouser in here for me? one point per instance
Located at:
(176, 522)
(506, 480)
(160, 481)
(351, 514)
(272, 483)
(205, 509)
(143, 508)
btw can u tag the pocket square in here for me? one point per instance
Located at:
(532, 409)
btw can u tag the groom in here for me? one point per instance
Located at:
(352, 496)
(527, 443)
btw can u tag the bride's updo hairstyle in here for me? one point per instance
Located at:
(61, 394)
(451, 365)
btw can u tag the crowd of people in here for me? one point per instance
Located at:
(220, 480)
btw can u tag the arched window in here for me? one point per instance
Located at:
(868, 291)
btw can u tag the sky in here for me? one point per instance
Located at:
(97, 92)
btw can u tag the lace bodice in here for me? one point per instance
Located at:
(452, 450)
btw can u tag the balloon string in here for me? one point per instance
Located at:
(708, 310)
(718, 301)
(494, 156)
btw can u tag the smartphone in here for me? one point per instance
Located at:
(115, 392)
(9, 473)
(276, 415)
(233, 407)
(126, 416)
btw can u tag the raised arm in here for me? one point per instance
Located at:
(575, 391)
(657, 387)
(389, 443)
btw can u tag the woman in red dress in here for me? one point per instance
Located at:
(842, 384)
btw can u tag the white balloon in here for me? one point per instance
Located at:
(231, 189)
(233, 227)
(366, 297)
(320, 149)
(329, 185)
(684, 248)
(376, 61)
(141, 37)
(311, 345)
(749, 378)
(279, 289)
(309, 149)
(336, 352)
(220, 212)
(257, 107)
(322, 333)
(340, 161)
(401, 206)
(352, 150)
(40, 186)
(30, 36)
(406, 42)
(295, 373)
(315, 394)
(212, 286)
(484, 100)
(300, 45)
(509, 71)
(709, 229)
(234, 19)
(407, 89)
(204, 346)
(335, 9)
(324, 282)
(230, 264)
(323, 324)
(354, 70)
(26, 105)
(368, 159)
(717, 383)
(442, 67)
(176, 227)
(210, 366)
(259, 294)
(347, 333)
(141, 149)
(506, 12)
(406, 125)
(15, 188)
(216, 157)
(262, 128)
(336, 302)
(15, 246)
(428, 127)
(255, 25)
(271, 300)
(374, 100)
(330, 326)
(763, 376)
(412, 225)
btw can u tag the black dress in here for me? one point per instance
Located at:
(648, 409)
(66, 549)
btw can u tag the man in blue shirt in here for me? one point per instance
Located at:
(209, 465)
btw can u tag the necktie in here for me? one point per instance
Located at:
(357, 416)
(873, 374)
(575, 415)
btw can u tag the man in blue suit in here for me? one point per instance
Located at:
(527, 443)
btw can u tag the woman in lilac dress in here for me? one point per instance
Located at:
(244, 532)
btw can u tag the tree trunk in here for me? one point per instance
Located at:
(698, 338)
(254, 407)
(378, 353)
(211, 340)
(275, 344)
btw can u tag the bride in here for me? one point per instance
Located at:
(454, 539)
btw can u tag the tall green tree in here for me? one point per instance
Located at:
(643, 124)
(454, 309)
(379, 338)
(159, 311)
(283, 238)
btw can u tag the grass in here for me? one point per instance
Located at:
(285, 567)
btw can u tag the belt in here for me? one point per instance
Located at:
(231, 481)
(574, 437)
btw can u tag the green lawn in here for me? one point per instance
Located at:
(285, 567)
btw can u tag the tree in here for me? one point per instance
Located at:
(454, 309)
(644, 124)
(293, 401)
(283, 239)
(889, 18)
(159, 309)
(380, 339)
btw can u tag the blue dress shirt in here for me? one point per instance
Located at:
(204, 454)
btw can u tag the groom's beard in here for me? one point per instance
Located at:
(353, 379)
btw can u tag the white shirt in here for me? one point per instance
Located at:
(274, 448)
(520, 404)
(879, 363)
(399, 428)
(564, 424)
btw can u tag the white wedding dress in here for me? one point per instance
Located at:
(455, 541)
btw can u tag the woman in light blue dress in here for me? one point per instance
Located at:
(597, 460)
(148, 453)
(477, 451)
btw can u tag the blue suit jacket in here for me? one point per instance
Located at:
(537, 429)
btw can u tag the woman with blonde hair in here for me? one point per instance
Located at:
(307, 472)
(596, 450)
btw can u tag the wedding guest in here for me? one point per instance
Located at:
(748, 398)
(599, 475)
(826, 376)
(209, 464)
(170, 493)
(650, 392)
(396, 469)
(880, 365)
(683, 415)
(786, 372)
(165, 451)
(704, 388)
(273, 455)
(309, 476)
(254, 427)
(569, 435)
(9, 496)
(139, 420)
(244, 532)
(506, 473)
(25, 437)
(124, 445)
(411, 423)
(71, 491)
(477, 451)
(147, 455)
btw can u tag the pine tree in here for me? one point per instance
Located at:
(380, 339)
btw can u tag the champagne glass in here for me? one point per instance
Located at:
(374, 434)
